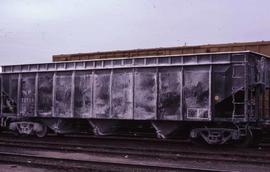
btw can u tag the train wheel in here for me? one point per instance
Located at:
(42, 132)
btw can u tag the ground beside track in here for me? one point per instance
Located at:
(20, 168)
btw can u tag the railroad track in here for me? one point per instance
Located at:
(69, 164)
(137, 152)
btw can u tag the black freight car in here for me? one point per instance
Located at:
(215, 97)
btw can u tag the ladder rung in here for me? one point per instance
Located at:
(237, 77)
(238, 103)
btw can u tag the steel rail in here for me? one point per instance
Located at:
(64, 163)
(242, 158)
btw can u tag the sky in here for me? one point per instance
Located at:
(31, 31)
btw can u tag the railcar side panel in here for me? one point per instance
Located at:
(83, 94)
(222, 89)
(267, 93)
(27, 94)
(1, 101)
(10, 89)
(198, 87)
(145, 94)
(122, 94)
(102, 96)
(62, 104)
(45, 94)
(169, 93)
(196, 93)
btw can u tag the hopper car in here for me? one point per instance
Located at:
(216, 98)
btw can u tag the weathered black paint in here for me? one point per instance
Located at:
(10, 93)
(83, 94)
(145, 94)
(102, 94)
(27, 95)
(169, 94)
(45, 94)
(196, 92)
(63, 94)
(122, 94)
(10, 85)
(142, 89)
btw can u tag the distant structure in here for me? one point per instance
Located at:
(262, 47)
